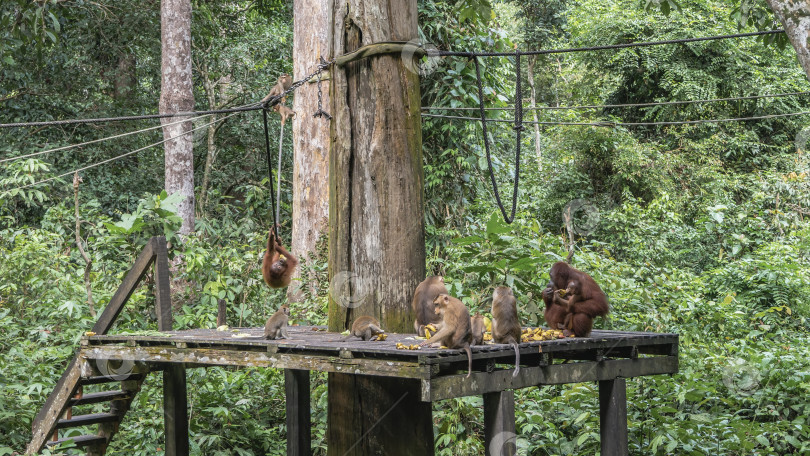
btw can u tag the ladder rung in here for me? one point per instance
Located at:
(107, 379)
(83, 420)
(80, 441)
(95, 398)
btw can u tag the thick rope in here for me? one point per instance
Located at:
(518, 126)
(609, 46)
(270, 172)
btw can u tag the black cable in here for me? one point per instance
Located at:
(518, 129)
(270, 172)
(253, 107)
(599, 48)
(621, 105)
(607, 123)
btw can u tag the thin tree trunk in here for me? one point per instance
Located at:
(310, 188)
(210, 156)
(538, 145)
(376, 224)
(88, 263)
(795, 18)
(176, 95)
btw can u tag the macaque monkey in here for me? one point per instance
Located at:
(284, 112)
(478, 328)
(585, 300)
(276, 326)
(455, 330)
(505, 323)
(278, 264)
(422, 304)
(366, 328)
(284, 82)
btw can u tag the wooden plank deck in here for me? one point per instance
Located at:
(603, 356)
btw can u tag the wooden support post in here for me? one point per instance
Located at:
(163, 296)
(222, 313)
(296, 386)
(613, 416)
(175, 410)
(500, 438)
(377, 415)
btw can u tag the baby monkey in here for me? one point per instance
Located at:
(284, 112)
(478, 328)
(366, 328)
(276, 326)
(455, 329)
(505, 324)
(284, 82)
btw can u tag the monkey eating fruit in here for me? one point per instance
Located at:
(366, 328)
(478, 328)
(422, 303)
(455, 329)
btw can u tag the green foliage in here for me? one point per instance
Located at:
(699, 230)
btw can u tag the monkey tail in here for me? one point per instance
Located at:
(469, 359)
(517, 359)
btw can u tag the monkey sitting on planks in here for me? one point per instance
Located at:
(284, 112)
(422, 304)
(276, 326)
(278, 264)
(477, 328)
(505, 323)
(585, 302)
(284, 82)
(455, 329)
(366, 328)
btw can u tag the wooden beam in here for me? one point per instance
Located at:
(613, 417)
(215, 357)
(125, 290)
(453, 386)
(384, 47)
(175, 410)
(44, 424)
(163, 296)
(500, 438)
(296, 387)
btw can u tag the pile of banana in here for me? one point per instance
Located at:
(536, 334)
(401, 346)
(381, 337)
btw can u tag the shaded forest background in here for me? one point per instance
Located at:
(694, 229)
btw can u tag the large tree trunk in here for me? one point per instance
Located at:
(310, 206)
(176, 96)
(795, 18)
(376, 224)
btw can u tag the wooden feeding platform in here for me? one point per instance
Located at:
(123, 361)
(605, 355)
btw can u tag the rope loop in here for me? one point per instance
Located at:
(518, 126)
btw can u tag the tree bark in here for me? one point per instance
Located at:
(310, 204)
(538, 144)
(795, 19)
(176, 95)
(376, 223)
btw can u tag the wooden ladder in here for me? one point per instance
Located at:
(126, 378)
